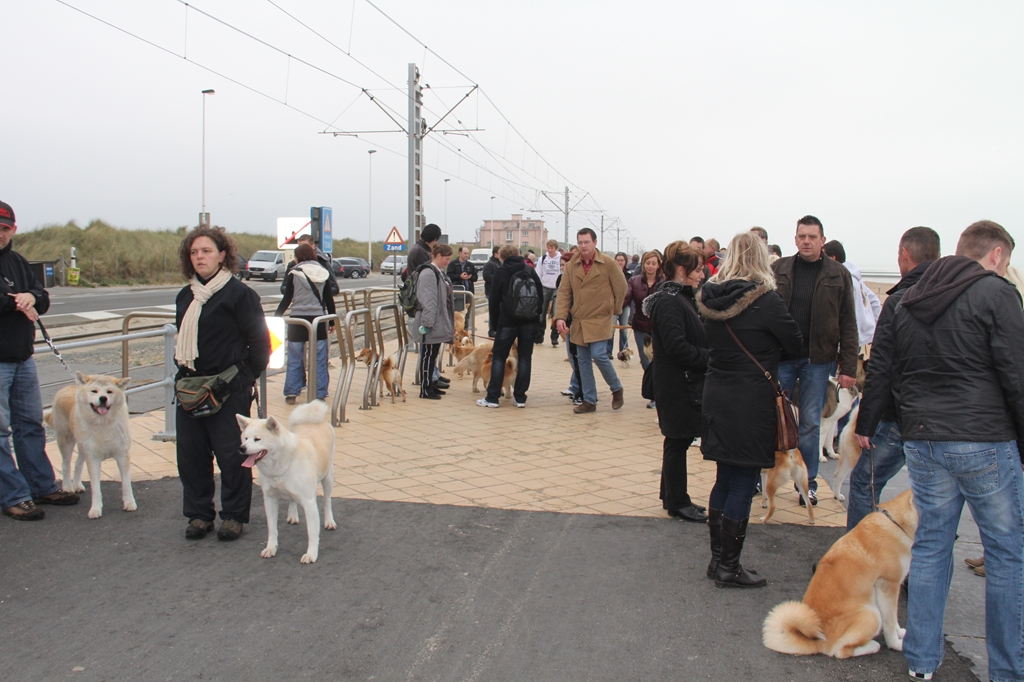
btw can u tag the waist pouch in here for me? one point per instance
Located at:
(202, 396)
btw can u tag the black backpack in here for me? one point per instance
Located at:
(407, 297)
(522, 300)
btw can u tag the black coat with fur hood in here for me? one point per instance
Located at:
(738, 416)
(680, 359)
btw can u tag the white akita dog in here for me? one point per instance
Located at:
(291, 463)
(94, 414)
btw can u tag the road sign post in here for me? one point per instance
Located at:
(394, 242)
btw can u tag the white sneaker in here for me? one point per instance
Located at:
(483, 403)
(517, 403)
(920, 676)
(567, 392)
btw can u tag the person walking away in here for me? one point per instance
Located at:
(307, 293)
(549, 267)
(488, 270)
(958, 383)
(680, 360)
(220, 325)
(435, 317)
(591, 292)
(639, 288)
(818, 292)
(323, 259)
(878, 431)
(513, 305)
(738, 412)
(22, 300)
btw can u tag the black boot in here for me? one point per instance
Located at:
(730, 573)
(715, 526)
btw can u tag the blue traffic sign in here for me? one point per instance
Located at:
(394, 247)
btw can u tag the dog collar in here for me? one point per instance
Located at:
(889, 516)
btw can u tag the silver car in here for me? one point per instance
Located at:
(266, 264)
(393, 264)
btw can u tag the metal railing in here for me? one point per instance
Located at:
(403, 348)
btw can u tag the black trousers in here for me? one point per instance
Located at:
(673, 473)
(428, 358)
(199, 441)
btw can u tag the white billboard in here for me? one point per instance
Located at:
(290, 229)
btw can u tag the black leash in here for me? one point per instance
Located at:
(49, 342)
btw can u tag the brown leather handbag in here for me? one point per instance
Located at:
(787, 430)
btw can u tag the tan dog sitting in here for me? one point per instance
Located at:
(855, 591)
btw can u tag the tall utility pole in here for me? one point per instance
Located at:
(204, 217)
(567, 214)
(602, 231)
(618, 228)
(416, 133)
(446, 181)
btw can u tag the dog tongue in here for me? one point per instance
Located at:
(101, 410)
(251, 460)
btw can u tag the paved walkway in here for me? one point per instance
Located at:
(539, 458)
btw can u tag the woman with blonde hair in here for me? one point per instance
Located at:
(680, 359)
(743, 317)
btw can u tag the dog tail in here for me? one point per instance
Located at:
(462, 367)
(48, 417)
(793, 627)
(310, 413)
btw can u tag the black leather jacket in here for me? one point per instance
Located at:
(958, 362)
(877, 405)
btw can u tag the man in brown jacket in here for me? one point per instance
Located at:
(591, 295)
(819, 294)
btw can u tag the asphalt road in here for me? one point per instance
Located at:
(400, 592)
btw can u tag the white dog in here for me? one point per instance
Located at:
(94, 414)
(829, 421)
(291, 463)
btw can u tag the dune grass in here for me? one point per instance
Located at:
(108, 255)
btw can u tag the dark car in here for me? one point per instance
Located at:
(350, 267)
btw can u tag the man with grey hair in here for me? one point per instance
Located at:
(958, 383)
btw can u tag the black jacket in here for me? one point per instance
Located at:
(833, 316)
(738, 417)
(18, 332)
(418, 255)
(680, 359)
(958, 361)
(455, 269)
(499, 315)
(232, 328)
(488, 270)
(877, 405)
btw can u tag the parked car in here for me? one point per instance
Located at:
(350, 267)
(393, 264)
(266, 264)
(241, 267)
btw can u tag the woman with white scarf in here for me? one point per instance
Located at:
(220, 324)
(307, 293)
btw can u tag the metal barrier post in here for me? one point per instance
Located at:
(170, 426)
(311, 356)
(310, 376)
(349, 368)
(261, 409)
(402, 344)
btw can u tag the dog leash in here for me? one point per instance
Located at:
(49, 342)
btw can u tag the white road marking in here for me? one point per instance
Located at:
(97, 315)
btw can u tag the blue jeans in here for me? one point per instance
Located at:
(813, 384)
(592, 354)
(638, 340)
(733, 490)
(503, 339)
(295, 376)
(988, 477)
(21, 412)
(889, 459)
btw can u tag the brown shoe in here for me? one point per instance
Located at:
(197, 529)
(617, 400)
(25, 511)
(975, 563)
(229, 530)
(584, 407)
(980, 570)
(60, 498)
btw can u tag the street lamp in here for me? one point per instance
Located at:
(204, 217)
(491, 232)
(369, 220)
(446, 181)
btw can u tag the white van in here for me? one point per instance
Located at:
(479, 256)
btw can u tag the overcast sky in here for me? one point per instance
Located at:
(678, 118)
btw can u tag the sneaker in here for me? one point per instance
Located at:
(483, 403)
(567, 392)
(229, 530)
(814, 503)
(197, 529)
(651, 405)
(920, 676)
(290, 399)
(577, 400)
(25, 511)
(518, 404)
(59, 498)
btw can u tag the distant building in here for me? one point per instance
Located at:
(526, 234)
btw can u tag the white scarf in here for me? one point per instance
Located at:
(186, 348)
